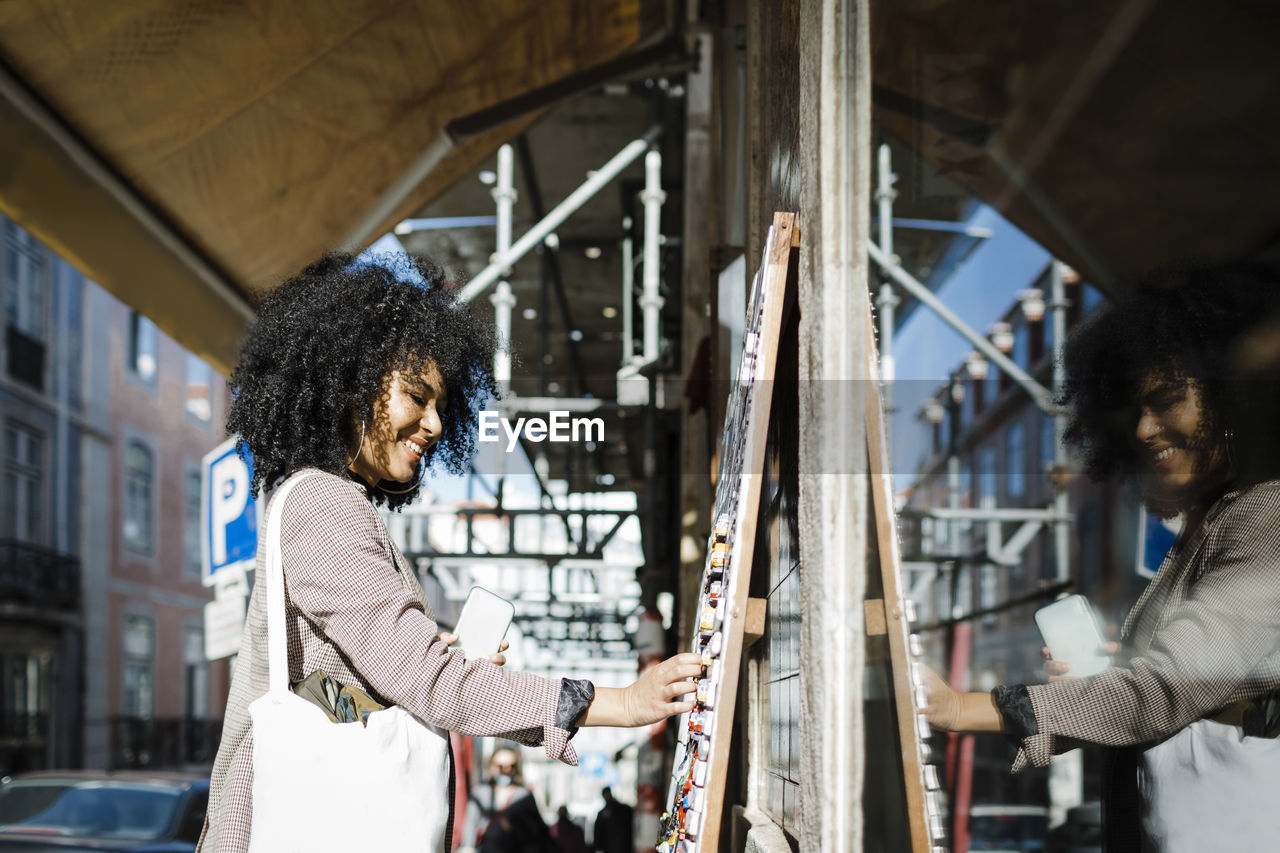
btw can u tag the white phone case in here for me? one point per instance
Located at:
(1070, 630)
(483, 623)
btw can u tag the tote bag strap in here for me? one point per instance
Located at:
(277, 647)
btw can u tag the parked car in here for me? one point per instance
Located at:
(1081, 832)
(78, 810)
(1008, 828)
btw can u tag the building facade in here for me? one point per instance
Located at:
(105, 423)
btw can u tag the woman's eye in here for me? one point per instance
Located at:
(417, 401)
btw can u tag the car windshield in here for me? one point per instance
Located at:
(74, 808)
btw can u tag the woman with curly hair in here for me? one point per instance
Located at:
(361, 376)
(1163, 386)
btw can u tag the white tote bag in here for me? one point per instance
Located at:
(1210, 787)
(320, 785)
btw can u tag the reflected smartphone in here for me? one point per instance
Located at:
(1071, 631)
(483, 623)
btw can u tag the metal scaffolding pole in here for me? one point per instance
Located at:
(1061, 500)
(628, 292)
(886, 300)
(557, 215)
(650, 300)
(504, 193)
(1039, 394)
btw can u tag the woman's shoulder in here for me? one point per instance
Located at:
(318, 494)
(1255, 506)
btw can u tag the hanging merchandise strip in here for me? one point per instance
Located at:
(695, 798)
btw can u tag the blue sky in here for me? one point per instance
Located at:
(927, 350)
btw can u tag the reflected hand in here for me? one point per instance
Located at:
(943, 704)
(1056, 670)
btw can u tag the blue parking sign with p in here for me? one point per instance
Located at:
(229, 517)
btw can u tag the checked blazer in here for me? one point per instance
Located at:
(355, 610)
(1204, 634)
(1204, 637)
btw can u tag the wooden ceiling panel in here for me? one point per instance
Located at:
(261, 132)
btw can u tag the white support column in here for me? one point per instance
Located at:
(1061, 501)
(887, 300)
(650, 300)
(504, 193)
(628, 293)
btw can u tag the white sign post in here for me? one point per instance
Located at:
(229, 545)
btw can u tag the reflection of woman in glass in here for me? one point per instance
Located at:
(1165, 385)
(363, 375)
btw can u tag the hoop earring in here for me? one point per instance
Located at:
(356, 455)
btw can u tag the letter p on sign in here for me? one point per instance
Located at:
(230, 513)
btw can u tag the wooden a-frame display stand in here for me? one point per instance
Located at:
(728, 620)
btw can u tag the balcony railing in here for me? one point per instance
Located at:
(158, 742)
(32, 574)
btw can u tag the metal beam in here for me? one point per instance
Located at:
(559, 214)
(1039, 394)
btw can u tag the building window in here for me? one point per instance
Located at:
(24, 282)
(23, 484)
(1015, 461)
(987, 477)
(142, 347)
(1046, 443)
(199, 389)
(139, 667)
(24, 273)
(25, 695)
(191, 524)
(139, 496)
(196, 673)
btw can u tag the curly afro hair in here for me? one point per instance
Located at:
(315, 360)
(1182, 322)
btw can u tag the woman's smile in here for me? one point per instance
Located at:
(407, 424)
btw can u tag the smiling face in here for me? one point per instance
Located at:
(1174, 432)
(406, 425)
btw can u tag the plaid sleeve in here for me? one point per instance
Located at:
(1218, 645)
(341, 576)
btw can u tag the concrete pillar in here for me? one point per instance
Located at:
(835, 129)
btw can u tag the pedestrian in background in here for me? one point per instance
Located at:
(614, 830)
(568, 836)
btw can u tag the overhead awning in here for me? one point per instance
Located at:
(1119, 135)
(189, 156)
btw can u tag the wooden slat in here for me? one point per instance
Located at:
(895, 622)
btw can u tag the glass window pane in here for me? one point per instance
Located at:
(199, 393)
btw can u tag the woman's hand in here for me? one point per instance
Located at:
(651, 698)
(1056, 670)
(943, 702)
(953, 711)
(499, 659)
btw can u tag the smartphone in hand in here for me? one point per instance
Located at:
(1071, 631)
(483, 623)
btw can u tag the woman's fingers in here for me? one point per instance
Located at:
(1044, 653)
(498, 659)
(505, 645)
(1111, 647)
(447, 638)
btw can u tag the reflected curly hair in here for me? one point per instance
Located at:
(1184, 322)
(316, 358)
